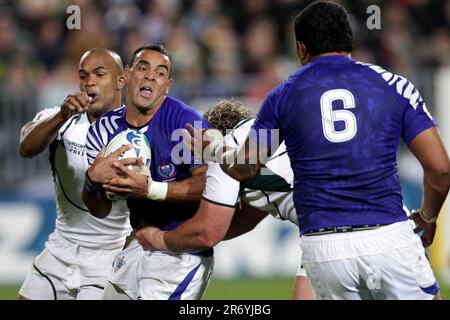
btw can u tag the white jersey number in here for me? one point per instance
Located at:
(330, 116)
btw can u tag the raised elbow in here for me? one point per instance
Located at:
(439, 176)
(25, 152)
(210, 236)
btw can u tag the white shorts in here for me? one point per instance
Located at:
(160, 275)
(66, 270)
(301, 272)
(385, 263)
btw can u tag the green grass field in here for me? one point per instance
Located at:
(240, 289)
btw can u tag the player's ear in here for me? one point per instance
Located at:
(120, 82)
(302, 53)
(126, 73)
(169, 84)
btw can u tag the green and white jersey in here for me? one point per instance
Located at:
(270, 191)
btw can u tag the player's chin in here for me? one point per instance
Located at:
(98, 107)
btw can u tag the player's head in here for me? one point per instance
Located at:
(101, 76)
(226, 114)
(322, 27)
(149, 77)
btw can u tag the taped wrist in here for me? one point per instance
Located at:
(157, 191)
(425, 217)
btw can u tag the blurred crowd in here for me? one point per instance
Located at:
(234, 48)
(221, 48)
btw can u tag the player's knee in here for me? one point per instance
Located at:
(21, 297)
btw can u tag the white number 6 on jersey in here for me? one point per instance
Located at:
(330, 116)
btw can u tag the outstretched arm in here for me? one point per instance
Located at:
(37, 135)
(428, 148)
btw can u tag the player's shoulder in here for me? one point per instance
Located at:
(74, 123)
(114, 113)
(109, 120)
(390, 78)
(179, 106)
(402, 87)
(180, 113)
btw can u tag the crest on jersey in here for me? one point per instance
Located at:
(166, 170)
(119, 263)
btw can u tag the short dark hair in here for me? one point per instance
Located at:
(226, 114)
(155, 47)
(324, 27)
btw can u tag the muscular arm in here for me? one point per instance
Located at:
(188, 190)
(246, 161)
(135, 185)
(36, 136)
(428, 148)
(99, 206)
(204, 230)
(245, 219)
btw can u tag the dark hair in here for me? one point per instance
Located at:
(226, 114)
(324, 27)
(155, 47)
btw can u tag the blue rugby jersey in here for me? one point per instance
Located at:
(342, 121)
(172, 115)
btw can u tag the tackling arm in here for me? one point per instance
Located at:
(203, 231)
(245, 219)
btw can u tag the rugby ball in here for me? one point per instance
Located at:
(140, 149)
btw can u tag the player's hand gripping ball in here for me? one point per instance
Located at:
(141, 149)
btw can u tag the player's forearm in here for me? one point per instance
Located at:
(97, 204)
(245, 219)
(93, 197)
(188, 190)
(436, 186)
(192, 237)
(245, 163)
(36, 137)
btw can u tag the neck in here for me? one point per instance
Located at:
(335, 53)
(140, 116)
(93, 116)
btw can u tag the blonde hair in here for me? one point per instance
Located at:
(227, 113)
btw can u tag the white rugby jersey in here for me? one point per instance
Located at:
(270, 191)
(69, 164)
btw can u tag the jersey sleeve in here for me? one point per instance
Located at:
(220, 188)
(94, 141)
(46, 113)
(416, 117)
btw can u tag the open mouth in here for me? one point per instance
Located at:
(93, 96)
(146, 92)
